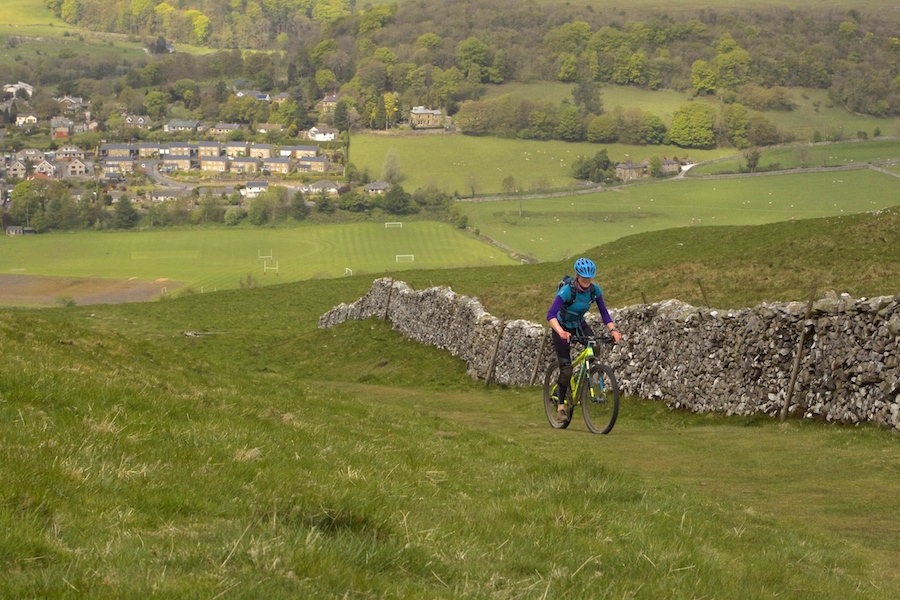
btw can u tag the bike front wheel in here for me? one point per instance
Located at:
(551, 378)
(600, 399)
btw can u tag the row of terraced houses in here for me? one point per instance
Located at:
(214, 157)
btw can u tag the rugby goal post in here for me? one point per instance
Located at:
(404, 258)
(393, 224)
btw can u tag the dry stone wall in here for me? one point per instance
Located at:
(728, 361)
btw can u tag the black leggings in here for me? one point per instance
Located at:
(564, 356)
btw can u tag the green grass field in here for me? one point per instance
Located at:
(810, 155)
(264, 457)
(554, 228)
(219, 258)
(449, 161)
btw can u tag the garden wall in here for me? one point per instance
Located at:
(728, 361)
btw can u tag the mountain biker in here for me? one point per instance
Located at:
(566, 318)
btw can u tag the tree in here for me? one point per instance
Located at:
(587, 97)
(703, 78)
(156, 103)
(570, 127)
(299, 210)
(398, 201)
(390, 169)
(692, 126)
(126, 215)
(602, 129)
(752, 158)
(509, 185)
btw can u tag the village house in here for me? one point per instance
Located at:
(75, 168)
(148, 150)
(138, 121)
(163, 196)
(277, 165)
(630, 171)
(71, 103)
(244, 164)
(298, 151)
(221, 129)
(30, 154)
(209, 149)
(217, 164)
(322, 133)
(262, 150)
(254, 189)
(116, 150)
(61, 127)
(117, 164)
(323, 185)
(425, 118)
(670, 167)
(45, 167)
(176, 162)
(316, 164)
(377, 187)
(236, 149)
(182, 149)
(17, 170)
(13, 88)
(329, 104)
(279, 99)
(181, 125)
(26, 119)
(70, 152)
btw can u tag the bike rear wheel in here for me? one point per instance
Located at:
(600, 399)
(551, 379)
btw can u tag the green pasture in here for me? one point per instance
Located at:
(813, 111)
(218, 259)
(26, 12)
(824, 154)
(53, 44)
(555, 228)
(450, 161)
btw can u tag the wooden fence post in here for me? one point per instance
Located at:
(537, 362)
(388, 304)
(703, 291)
(797, 358)
(490, 373)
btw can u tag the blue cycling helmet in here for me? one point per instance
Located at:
(585, 268)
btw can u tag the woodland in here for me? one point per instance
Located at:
(383, 59)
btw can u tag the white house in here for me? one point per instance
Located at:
(322, 133)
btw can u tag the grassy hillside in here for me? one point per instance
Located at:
(553, 228)
(260, 456)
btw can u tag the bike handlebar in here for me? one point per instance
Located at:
(584, 340)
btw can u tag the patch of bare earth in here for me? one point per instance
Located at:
(42, 290)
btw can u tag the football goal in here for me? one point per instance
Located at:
(348, 271)
(393, 224)
(405, 258)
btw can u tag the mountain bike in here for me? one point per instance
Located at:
(593, 386)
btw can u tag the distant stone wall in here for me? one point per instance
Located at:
(733, 362)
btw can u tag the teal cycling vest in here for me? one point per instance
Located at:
(572, 313)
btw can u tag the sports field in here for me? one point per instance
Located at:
(210, 260)
(555, 228)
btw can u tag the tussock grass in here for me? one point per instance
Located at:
(269, 458)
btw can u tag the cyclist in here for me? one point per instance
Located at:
(566, 318)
